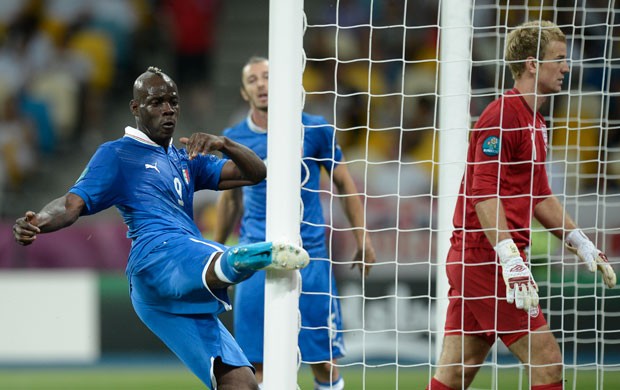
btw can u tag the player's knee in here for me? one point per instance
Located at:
(325, 371)
(458, 376)
(234, 378)
(547, 368)
(547, 373)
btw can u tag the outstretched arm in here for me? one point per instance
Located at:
(353, 209)
(228, 212)
(552, 215)
(57, 214)
(245, 167)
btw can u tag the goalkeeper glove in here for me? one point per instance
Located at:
(578, 243)
(520, 285)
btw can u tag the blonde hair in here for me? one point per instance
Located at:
(530, 39)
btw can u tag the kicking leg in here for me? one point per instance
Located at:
(240, 262)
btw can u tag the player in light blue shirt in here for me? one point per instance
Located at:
(177, 279)
(320, 339)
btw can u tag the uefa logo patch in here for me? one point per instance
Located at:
(490, 146)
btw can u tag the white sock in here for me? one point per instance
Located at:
(217, 267)
(338, 385)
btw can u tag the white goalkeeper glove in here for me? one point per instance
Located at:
(578, 243)
(520, 285)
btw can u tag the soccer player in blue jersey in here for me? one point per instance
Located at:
(320, 339)
(177, 279)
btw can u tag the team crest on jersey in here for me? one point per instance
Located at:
(186, 175)
(490, 146)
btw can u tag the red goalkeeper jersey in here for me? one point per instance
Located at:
(506, 158)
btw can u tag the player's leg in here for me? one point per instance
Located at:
(468, 340)
(460, 360)
(327, 376)
(249, 315)
(240, 262)
(229, 377)
(541, 351)
(203, 344)
(321, 340)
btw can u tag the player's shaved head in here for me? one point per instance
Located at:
(142, 83)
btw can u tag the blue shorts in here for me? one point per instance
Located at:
(197, 339)
(171, 277)
(169, 294)
(320, 338)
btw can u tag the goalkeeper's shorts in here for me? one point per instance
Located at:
(474, 308)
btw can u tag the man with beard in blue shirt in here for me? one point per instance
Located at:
(320, 339)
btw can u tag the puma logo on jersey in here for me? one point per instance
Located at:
(152, 166)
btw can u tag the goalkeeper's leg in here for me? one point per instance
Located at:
(240, 262)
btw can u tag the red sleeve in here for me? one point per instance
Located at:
(490, 147)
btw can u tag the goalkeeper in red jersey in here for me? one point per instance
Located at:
(492, 292)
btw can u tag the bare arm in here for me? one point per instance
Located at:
(352, 205)
(552, 215)
(228, 213)
(57, 214)
(493, 220)
(245, 167)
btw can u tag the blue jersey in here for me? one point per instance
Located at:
(321, 337)
(319, 150)
(152, 189)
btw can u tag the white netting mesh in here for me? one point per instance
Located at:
(372, 70)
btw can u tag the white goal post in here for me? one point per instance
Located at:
(402, 81)
(283, 190)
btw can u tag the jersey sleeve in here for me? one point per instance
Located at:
(206, 171)
(97, 185)
(490, 149)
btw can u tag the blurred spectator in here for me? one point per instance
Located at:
(17, 143)
(192, 28)
(192, 25)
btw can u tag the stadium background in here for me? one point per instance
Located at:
(66, 70)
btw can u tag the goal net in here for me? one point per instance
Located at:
(389, 75)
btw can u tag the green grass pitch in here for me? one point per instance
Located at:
(176, 377)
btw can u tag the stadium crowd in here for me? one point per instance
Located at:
(62, 61)
(64, 65)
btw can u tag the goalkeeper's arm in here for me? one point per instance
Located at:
(521, 289)
(551, 214)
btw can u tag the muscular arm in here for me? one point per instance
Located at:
(57, 214)
(353, 209)
(228, 213)
(245, 167)
(552, 215)
(493, 220)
